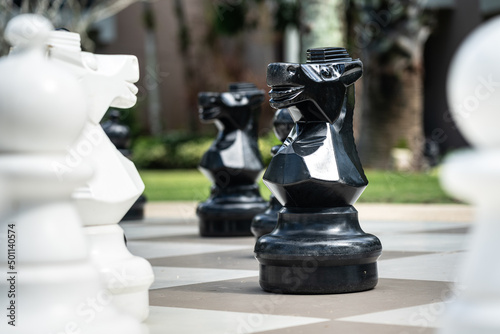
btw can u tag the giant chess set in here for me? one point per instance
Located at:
(300, 263)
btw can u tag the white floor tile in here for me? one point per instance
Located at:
(424, 242)
(134, 231)
(395, 227)
(423, 316)
(193, 321)
(166, 277)
(155, 250)
(442, 267)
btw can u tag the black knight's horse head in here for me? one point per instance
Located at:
(316, 89)
(232, 109)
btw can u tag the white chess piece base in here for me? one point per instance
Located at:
(57, 288)
(126, 276)
(474, 176)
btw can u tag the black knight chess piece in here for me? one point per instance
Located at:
(233, 162)
(265, 222)
(318, 245)
(119, 135)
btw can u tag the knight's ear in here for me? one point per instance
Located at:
(353, 71)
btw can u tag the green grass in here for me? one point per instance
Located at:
(180, 185)
(399, 187)
(384, 187)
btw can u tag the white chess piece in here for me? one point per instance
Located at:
(474, 176)
(108, 80)
(55, 287)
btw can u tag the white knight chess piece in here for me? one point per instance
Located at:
(52, 286)
(108, 81)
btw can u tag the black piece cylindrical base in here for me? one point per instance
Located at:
(312, 279)
(229, 212)
(265, 222)
(318, 251)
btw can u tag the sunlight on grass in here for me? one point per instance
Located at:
(383, 187)
(399, 187)
(180, 185)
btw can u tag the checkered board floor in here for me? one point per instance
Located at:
(210, 285)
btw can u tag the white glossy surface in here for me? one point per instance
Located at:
(126, 276)
(473, 86)
(22, 126)
(28, 30)
(474, 176)
(4, 199)
(56, 285)
(108, 81)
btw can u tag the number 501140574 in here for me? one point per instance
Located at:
(11, 246)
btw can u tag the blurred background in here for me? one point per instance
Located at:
(402, 119)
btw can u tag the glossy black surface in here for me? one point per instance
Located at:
(136, 212)
(233, 162)
(318, 245)
(119, 134)
(265, 222)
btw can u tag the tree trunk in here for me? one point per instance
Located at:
(391, 115)
(152, 78)
(389, 37)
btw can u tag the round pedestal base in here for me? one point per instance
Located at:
(127, 277)
(317, 251)
(134, 303)
(265, 222)
(225, 220)
(308, 279)
(229, 212)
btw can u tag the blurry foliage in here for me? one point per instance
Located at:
(230, 16)
(287, 13)
(389, 37)
(266, 142)
(183, 150)
(175, 150)
(402, 143)
(190, 153)
(385, 187)
(150, 152)
(392, 30)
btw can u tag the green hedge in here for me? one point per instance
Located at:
(180, 151)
